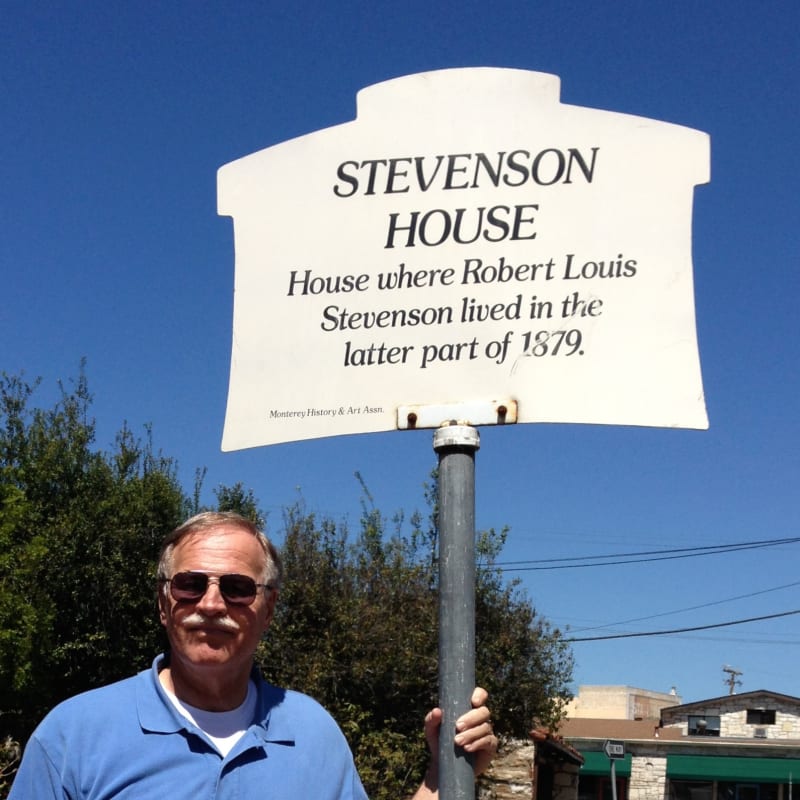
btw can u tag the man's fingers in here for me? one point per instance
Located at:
(479, 696)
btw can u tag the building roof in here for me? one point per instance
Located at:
(744, 697)
(627, 729)
(554, 747)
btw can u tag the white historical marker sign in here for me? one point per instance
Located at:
(465, 240)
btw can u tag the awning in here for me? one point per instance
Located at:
(598, 763)
(734, 768)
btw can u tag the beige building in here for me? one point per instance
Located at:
(619, 702)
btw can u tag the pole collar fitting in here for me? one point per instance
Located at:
(454, 434)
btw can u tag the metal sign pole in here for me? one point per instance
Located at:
(613, 779)
(456, 446)
(614, 750)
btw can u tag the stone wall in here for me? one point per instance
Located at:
(510, 776)
(648, 779)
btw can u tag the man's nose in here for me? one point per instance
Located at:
(212, 600)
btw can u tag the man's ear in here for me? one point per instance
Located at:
(162, 604)
(270, 602)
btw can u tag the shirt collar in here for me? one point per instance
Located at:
(271, 722)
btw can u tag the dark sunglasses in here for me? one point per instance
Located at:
(191, 586)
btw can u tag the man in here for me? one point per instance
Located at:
(202, 723)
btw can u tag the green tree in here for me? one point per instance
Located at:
(79, 531)
(242, 501)
(356, 627)
(521, 659)
(10, 753)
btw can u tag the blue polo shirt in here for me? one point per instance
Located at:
(127, 741)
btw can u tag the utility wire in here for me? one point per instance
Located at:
(633, 558)
(681, 630)
(688, 608)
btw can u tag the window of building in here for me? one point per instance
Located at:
(749, 791)
(704, 790)
(691, 790)
(703, 725)
(760, 716)
(593, 787)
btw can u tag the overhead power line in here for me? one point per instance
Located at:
(697, 607)
(577, 562)
(681, 630)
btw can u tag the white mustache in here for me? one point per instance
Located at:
(196, 619)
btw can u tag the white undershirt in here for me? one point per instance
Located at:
(223, 728)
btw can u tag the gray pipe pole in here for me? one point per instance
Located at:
(613, 779)
(456, 446)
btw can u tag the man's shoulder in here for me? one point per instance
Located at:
(300, 701)
(100, 704)
(102, 694)
(292, 710)
(289, 699)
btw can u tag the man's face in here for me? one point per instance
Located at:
(211, 632)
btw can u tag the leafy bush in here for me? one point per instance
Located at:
(9, 759)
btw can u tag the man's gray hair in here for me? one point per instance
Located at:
(209, 521)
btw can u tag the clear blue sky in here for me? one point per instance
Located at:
(114, 120)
